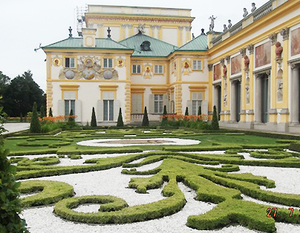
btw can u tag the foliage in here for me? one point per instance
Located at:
(164, 117)
(186, 111)
(42, 112)
(93, 118)
(145, 121)
(20, 94)
(120, 119)
(35, 126)
(199, 114)
(215, 122)
(10, 205)
(295, 146)
(50, 112)
(71, 119)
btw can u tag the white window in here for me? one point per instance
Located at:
(108, 110)
(158, 69)
(136, 69)
(136, 103)
(158, 103)
(69, 62)
(107, 62)
(69, 104)
(196, 102)
(197, 65)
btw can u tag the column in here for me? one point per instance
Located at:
(257, 114)
(210, 86)
(273, 82)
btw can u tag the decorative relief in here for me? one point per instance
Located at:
(186, 67)
(120, 62)
(250, 48)
(247, 94)
(273, 38)
(279, 90)
(88, 68)
(56, 61)
(285, 33)
(295, 42)
(147, 73)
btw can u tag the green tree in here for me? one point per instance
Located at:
(165, 118)
(186, 111)
(120, 122)
(145, 121)
(35, 126)
(199, 114)
(42, 112)
(10, 205)
(215, 123)
(93, 118)
(20, 94)
(4, 82)
(50, 112)
(71, 120)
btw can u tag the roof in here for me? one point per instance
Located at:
(158, 48)
(197, 44)
(77, 43)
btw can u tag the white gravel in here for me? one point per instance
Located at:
(166, 141)
(112, 182)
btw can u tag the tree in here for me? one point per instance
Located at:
(93, 119)
(42, 112)
(20, 94)
(35, 126)
(215, 123)
(50, 112)
(71, 120)
(199, 113)
(4, 82)
(186, 111)
(145, 121)
(120, 122)
(165, 118)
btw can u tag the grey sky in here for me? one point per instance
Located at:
(26, 24)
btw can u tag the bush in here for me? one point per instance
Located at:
(10, 205)
(215, 123)
(145, 121)
(93, 119)
(50, 112)
(120, 122)
(35, 126)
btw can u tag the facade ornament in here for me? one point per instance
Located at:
(224, 71)
(210, 67)
(246, 62)
(147, 71)
(280, 90)
(202, 31)
(227, 59)
(229, 23)
(141, 28)
(278, 50)
(186, 67)
(247, 94)
(70, 32)
(273, 38)
(243, 52)
(253, 7)
(108, 32)
(225, 99)
(225, 28)
(222, 61)
(250, 48)
(285, 33)
(245, 12)
(212, 22)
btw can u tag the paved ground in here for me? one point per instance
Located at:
(14, 127)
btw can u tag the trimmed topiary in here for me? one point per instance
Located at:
(93, 119)
(186, 111)
(42, 112)
(215, 122)
(199, 114)
(71, 119)
(50, 112)
(120, 122)
(35, 126)
(10, 205)
(165, 118)
(145, 121)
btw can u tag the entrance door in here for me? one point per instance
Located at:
(108, 110)
(264, 99)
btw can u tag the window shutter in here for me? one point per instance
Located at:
(204, 107)
(166, 101)
(78, 110)
(151, 103)
(189, 105)
(100, 110)
(116, 109)
(61, 107)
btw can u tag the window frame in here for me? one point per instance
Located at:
(107, 60)
(137, 69)
(157, 68)
(70, 63)
(159, 99)
(196, 66)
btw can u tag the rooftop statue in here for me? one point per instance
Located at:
(212, 22)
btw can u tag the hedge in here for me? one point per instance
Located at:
(50, 192)
(295, 146)
(173, 203)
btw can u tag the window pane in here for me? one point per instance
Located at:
(199, 65)
(73, 106)
(134, 69)
(105, 62)
(72, 62)
(105, 110)
(138, 69)
(110, 63)
(67, 62)
(160, 69)
(111, 110)
(67, 111)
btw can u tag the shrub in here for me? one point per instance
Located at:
(215, 123)
(93, 119)
(42, 112)
(145, 121)
(71, 120)
(120, 122)
(50, 112)
(186, 111)
(35, 126)
(10, 205)
(199, 114)
(165, 118)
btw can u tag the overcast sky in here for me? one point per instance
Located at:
(27, 23)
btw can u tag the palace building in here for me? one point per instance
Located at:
(137, 57)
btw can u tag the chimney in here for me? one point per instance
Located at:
(89, 36)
